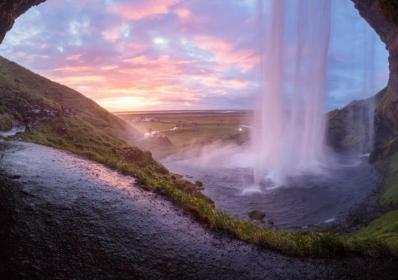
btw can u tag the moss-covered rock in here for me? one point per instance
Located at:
(5, 122)
(256, 215)
(348, 127)
(390, 186)
(379, 237)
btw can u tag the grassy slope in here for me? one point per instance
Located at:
(382, 234)
(92, 132)
(390, 194)
(22, 89)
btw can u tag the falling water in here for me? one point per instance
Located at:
(367, 145)
(361, 114)
(289, 119)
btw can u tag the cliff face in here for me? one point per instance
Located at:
(10, 10)
(382, 15)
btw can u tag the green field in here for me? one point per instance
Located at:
(187, 129)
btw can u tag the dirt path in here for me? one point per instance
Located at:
(63, 217)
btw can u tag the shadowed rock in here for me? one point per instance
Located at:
(382, 15)
(10, 10)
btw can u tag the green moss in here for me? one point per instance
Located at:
(256, 215)
(390, 195)
(379, 237)
(5, 123)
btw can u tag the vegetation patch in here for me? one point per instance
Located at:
(5, 122)
(390, 195)
(256, 215)
(380, 237)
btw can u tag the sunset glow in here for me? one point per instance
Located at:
(164, 54)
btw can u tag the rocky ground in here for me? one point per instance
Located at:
(63, 217)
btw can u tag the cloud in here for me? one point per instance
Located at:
(137, 10)
(116, 33)
(227, 53)
(183, 13)
(171, 54)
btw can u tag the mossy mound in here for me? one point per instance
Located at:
(5, 122)
(256, 215)
(380, 237)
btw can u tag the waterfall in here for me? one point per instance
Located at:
(361, 114)
(289, 119)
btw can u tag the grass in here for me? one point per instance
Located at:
(378, 238)
(23, 91)
(194, 129)
(5, 123)
(256, 215)
(390, 194)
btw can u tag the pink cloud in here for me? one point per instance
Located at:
(111, 35)
(226, 52)
(183, 13)
(138, 10)
(74, 57)
(162, 80)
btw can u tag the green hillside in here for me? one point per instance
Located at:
(28, 98)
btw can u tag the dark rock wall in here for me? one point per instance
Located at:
(382, 15)
(10, 10)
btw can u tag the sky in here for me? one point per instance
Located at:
(178, 54)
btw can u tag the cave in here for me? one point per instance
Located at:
(382, 16)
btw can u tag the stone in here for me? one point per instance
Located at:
(256, 215)
(10, 10)
(382, 16)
